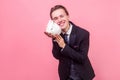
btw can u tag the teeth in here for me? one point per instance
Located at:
(61, 24)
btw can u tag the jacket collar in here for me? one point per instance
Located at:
(73, 34)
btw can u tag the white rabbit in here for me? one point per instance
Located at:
(53, 28)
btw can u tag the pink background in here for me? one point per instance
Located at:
(25, 52)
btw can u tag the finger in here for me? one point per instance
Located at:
(48, 34)
(58, 37)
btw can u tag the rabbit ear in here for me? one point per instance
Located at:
(50, 26)
(50, 23)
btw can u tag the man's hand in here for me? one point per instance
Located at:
(49, 35)
(57, 38)
(60, 41)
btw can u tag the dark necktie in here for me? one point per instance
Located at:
(66, 38)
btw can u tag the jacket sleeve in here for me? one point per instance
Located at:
(56, 50)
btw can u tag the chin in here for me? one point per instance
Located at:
(62, 28)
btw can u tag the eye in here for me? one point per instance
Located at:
(55, 18)
(51, 29)
(61, 16)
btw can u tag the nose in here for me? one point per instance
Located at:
(59, 19)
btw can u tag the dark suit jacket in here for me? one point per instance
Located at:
(77, 51)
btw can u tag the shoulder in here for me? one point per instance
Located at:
(79, 30)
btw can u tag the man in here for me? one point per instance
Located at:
(72, 54)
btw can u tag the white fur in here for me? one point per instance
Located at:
(53, 28)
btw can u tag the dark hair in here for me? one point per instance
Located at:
(58, 7)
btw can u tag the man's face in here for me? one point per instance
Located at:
(61, 18)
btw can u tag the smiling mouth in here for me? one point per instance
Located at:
(61, 24)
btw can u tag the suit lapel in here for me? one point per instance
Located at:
(72, 36)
